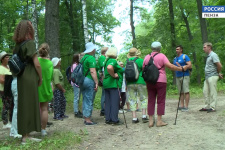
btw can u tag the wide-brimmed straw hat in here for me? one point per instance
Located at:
(55, 61)
(133, 52)
(3, 54)
(89, 47)
(111, 52)
(104, 49)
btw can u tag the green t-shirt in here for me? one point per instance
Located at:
(58, 77)
(109, 81)
(140, 80)
(100, 63)
(89, 62)
(45, 90)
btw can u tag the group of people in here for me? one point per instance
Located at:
(109, 73)
(26, 109)
(41, 81)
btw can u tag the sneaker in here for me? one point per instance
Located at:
(128, 110)
(43, 132)
(180, 108)
(49, 124)
(7, 126)
(145, 120)
(135, 121)
(35, 139)
(184, 109)
(17, 136)
(65, 116)
(138, 110)
(117, 123)
(61, 119)
(102, 114)
(89, 123)
(108, 122)
(78, 115)
(121, 111)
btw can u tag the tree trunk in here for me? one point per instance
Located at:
(172, 30)
(85, 25)
(34, 22)
(132, 24)
(52, 26)
(190, 36)
(203, 24)
(69, 7)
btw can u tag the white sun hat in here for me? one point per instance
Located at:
(156, 45)
(3, 54)
(55, 61)
(89, 47)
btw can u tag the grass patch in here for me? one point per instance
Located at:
(59, 140)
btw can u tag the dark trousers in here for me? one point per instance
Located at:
(59, 104)
(7, 110)
(112, 101)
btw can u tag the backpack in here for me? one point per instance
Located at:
(151, 72)
(16, 65)
(189, 70)
(77, 75)
(131, 70)
(68, 74)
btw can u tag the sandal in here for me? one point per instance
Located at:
(204, 109)
(211, 110)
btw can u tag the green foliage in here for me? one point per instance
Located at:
(59, 140)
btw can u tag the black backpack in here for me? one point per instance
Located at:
(151, 72)
(131, 70)
(77, 76)
(16, 65)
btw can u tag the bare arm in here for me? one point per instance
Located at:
(219, 66)
(110, 70)
(189, 65)
(38, 68)
(175, 68)
(2, 79)
(94, 77)
(59, 86)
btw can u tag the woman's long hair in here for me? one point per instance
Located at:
(75, 59)
(24, 31)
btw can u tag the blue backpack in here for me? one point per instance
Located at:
(77, 75)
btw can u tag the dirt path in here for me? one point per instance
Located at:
(194, 130)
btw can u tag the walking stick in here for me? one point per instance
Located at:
(179, 100)
(121, 100)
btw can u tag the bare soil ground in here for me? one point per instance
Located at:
(194, 130)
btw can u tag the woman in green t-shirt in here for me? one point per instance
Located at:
(112, 84)
(45, 91)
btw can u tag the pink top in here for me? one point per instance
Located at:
(159, 60)
(72, 69)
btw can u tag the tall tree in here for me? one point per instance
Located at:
(190, 37)
(172, 30)
(52, 26)
(203, 24)
(85, 24)
(132, 23)
(34, 21)
(71, 20)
